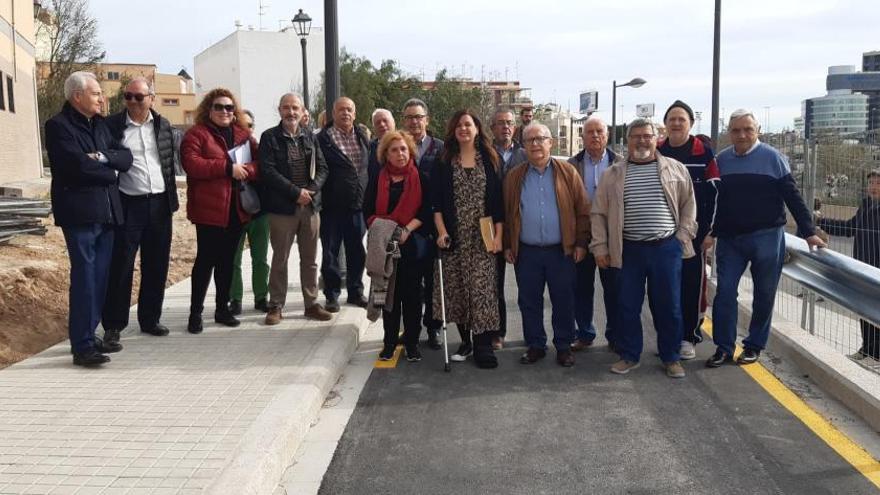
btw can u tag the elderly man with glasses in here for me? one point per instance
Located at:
(547, 230)
(643, 220)
(85, 160)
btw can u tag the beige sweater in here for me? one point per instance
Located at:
(606, 215)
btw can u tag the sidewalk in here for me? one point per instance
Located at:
(220, 412)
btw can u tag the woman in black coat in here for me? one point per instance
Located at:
(864, 228)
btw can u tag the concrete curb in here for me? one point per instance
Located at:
(265, 451)
(855, 387)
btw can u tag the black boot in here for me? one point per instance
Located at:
(224, 317)
(195, 323)
(484, 355)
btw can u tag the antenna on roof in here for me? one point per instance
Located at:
(262, 12)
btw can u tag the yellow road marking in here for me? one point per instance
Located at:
(852, 452)
(392, 363)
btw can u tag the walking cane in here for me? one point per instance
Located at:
(446, 367)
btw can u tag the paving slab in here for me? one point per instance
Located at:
(219, 412)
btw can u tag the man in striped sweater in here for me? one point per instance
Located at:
(643, 222)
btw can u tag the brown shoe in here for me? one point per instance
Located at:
(580, 345)
(317, 312)
(274, 316)
(532, 356)
(565, 359)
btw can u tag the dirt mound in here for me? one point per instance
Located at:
(34, 284)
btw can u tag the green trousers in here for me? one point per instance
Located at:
(257, 233)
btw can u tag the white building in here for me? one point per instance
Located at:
(565, 127)
(260, 66)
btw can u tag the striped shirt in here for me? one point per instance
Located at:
(646, 214)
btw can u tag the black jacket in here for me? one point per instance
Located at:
(167, 150)
(279, 194)
(84, 190)
(443, 196)
(864, 227)
(346, 181)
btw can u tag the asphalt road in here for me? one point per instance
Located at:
(544, 429)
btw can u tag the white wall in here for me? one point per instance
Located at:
(260, 66)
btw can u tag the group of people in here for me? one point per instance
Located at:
(442, 217)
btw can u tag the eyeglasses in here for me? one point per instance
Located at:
(219, 107)
(504, 123)
(641, 137)
(537, 140)
(414, 117)
(134, 96)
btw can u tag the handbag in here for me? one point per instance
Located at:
(250, 199)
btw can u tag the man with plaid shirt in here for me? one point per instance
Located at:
(346, 151)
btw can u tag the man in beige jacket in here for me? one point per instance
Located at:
(643, 220)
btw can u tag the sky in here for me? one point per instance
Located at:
(774, 53)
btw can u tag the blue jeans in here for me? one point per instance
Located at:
(584, 294)
(536, 267)
(765, 251)
(336, 228)
(659, 263)
(90, 248)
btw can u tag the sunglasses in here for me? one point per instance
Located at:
(134, 96)
(217, 107)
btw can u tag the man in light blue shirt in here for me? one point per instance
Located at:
(591, 163)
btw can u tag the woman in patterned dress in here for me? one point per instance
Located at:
(465, 187)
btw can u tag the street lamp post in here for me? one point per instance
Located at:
(635, 83)
(302, 24)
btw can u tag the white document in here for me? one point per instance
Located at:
(241, 154)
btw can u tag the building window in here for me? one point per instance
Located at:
(170, 102)
(113, 76)
(2, 97)
(10, 93)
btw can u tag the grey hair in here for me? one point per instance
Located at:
(249, 114)
(380, 111)
(147, 83)
(537, 125)
(597, 119)
(415, 102)
(77, 82)
(742, 112)
(287, 95)
(640, 122)
(502, 110)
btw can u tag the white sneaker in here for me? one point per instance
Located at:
(687, 351)
(461, 355)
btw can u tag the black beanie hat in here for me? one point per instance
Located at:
(680, 104)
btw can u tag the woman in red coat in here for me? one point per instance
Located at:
(213, 181)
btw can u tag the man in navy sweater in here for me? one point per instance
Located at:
(755, 183)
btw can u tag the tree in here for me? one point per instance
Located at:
(71, 36)
(386, 86)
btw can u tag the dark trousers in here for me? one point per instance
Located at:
(659, 263)
(693, 294)
(215, 253)
(147, 228)
(429, 319)
(90, 249)
(337, 228)
(584, 296)
(407, 301)
(537, 267)
(502, 303)
(870, 339)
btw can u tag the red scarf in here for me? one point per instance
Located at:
(410, 200)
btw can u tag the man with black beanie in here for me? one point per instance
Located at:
(699, 159)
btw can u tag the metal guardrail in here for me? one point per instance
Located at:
(848, 282)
